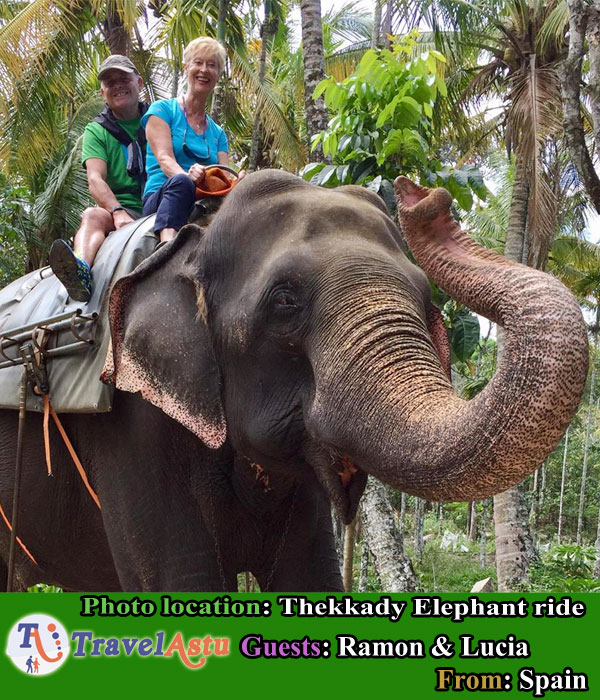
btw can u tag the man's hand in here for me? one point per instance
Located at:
(121, 218)
(197, 172)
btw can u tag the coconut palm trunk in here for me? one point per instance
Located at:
(562, 486)
(588, 426)
(393, 567)
(515, 551)
(364, 565)
(216, 107)
(597, 563)
(376, 35)
(570, 79)
(268, 30)
(349, 542)
(117, 37)
(314, 69)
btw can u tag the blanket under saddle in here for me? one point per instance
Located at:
(74, 378)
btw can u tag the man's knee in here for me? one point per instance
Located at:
(96, 218)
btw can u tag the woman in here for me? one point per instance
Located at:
(183, 140)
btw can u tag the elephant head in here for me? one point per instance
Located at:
(296, 324)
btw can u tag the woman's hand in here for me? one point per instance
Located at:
(197, 173)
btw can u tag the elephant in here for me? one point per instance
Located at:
(266, 364)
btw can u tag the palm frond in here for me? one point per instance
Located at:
(533, 117)
(552, 31)
(342, 63)
(348, 23)
(263, 99)
(57, 210)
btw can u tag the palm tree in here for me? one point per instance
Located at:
(510, 50)
(268, 29)
(314, 68)
(583, 18)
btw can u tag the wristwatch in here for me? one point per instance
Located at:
(117, 208)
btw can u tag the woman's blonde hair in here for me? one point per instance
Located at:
(211, 45)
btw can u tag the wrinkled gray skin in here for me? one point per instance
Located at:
(294, 349)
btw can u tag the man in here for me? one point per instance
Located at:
(113, 154)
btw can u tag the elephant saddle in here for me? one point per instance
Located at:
(38, 298)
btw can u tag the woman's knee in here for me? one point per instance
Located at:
(182, 183)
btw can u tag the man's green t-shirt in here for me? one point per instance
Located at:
(98, 143)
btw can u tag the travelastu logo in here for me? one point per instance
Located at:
(38, 644)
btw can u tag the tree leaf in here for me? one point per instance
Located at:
(363, 169)
(464, 334)
(310, 170)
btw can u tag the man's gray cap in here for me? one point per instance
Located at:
(117, 62)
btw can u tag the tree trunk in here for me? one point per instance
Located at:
(314, 69)
(402, 517)
(222, 21)
(483, 534)
(216, 105)
(469, 517)
(516, 246)
(268, 30)
(376, 34)
(116, 35)
(534, 496)
(593, 37)
(569, 71)
(387, 27)
(419, 518)
(597, 564)
(349, 539)
(473, 528)
(338, 536)
(542, 485)
(392, 565)
(515, 550)
(534, 513)
(588, 425)
(514, 546)
(562, 487)
(440, 517)
(364, 565)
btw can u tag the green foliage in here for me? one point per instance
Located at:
(447, 571)
(464, 331)
(565, 568)
(43, 588)
(13, 250)
(382, 125)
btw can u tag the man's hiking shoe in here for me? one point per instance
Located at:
(74, 273)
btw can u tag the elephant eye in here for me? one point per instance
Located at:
(283, 297)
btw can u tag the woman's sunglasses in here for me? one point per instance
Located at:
(202, 159)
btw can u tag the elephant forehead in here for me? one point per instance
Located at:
(244, 242)
(323, 212)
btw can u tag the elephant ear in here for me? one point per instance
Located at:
(161, 345)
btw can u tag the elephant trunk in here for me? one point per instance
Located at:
(430, 442)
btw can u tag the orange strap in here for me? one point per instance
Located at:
(48, 409)
(47, 434)
(19, 540)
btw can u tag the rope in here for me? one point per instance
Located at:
(48, 410)
(19, 540)
(48, 407)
